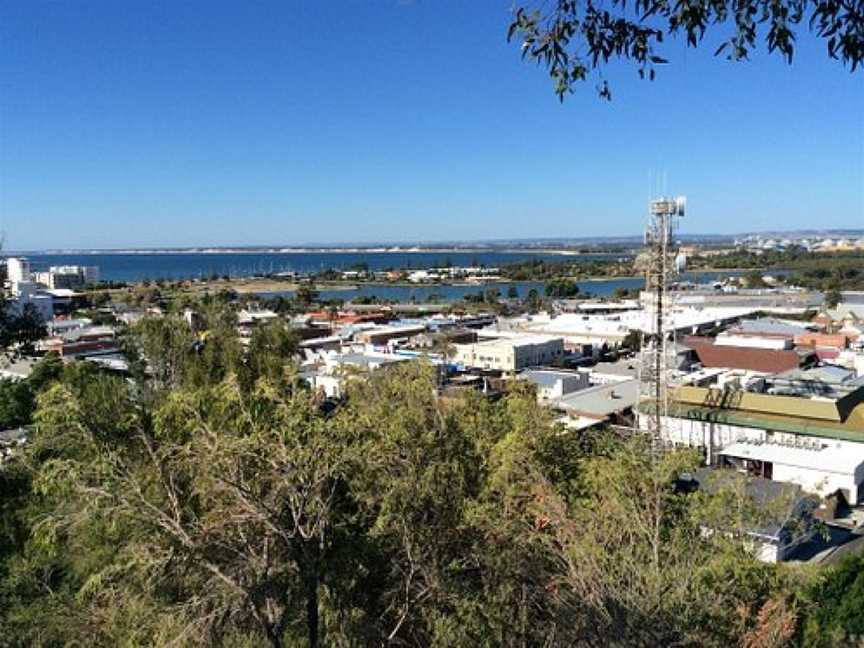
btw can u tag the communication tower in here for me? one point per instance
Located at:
(657, 352)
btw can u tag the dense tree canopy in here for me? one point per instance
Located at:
(214, 499)
(573, 38)
(19, 329)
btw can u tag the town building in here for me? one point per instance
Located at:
(17, 270)
(552, 385)
(381, 335)
(813, 440)
(81, 342)
(608, 403)
(70, 276)
(752, 358)
(510, 353)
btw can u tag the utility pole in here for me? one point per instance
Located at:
(658, 343)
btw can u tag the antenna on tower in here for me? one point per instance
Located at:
(658, 341)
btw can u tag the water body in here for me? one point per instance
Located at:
(423, 293)
(174, 266)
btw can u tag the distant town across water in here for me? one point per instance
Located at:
(174, 266)
(134, 267)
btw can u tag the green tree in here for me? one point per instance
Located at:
(17, 403)
(491, 295)
(306, 294)
(753, 279)
(226, 505)
(533, 300)
(272, 347)
(18, 397)
(159, 348)
(625, 293)
(100, 298)
(20, 330)
(220, 515)
(573, 39)
(832, 299)
(834, 617)
(633, 340)
(561, 288)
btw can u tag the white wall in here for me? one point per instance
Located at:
(753, 342)
(816, 481)
(17, 270)
(720, 435)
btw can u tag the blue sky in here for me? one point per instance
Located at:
(206, 123)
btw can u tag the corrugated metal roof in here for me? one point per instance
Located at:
(602, 400)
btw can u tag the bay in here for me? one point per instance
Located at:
(455, 292)
(184, 265)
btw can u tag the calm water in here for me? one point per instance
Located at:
(603, 288)
(136, 267)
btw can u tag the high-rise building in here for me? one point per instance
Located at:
(17, 270)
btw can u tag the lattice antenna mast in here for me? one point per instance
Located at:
(658, 347)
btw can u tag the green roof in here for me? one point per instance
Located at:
(835, 419)
(776, 422)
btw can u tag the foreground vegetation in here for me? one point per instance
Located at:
(213, 499)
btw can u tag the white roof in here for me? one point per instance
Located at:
(618, 324)
(602, 400)
(830, 457)
(396, 328)
(60, 292)
(516, 339)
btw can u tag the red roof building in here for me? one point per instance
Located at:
(746, 358)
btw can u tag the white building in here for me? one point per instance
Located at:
(70, 276)
(816, 443)
(555, 384)
(510, 353)
(17, 271)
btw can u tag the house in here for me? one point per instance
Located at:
(10, 440)
(330, 380)
(782, 514)
(820, 342)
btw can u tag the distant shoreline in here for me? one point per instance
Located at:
(382, 250)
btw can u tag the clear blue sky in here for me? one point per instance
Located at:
(187, 123)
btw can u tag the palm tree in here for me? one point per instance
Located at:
(442, 346)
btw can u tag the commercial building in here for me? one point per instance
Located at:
(552, 385)
(27, 293)
(82, 342)
(70, 276)
(815, 442)
(767, 360)
(612, 328)
(611, 402)
(510, 353)
(380, 336)
(17, 270)
(338, 368)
